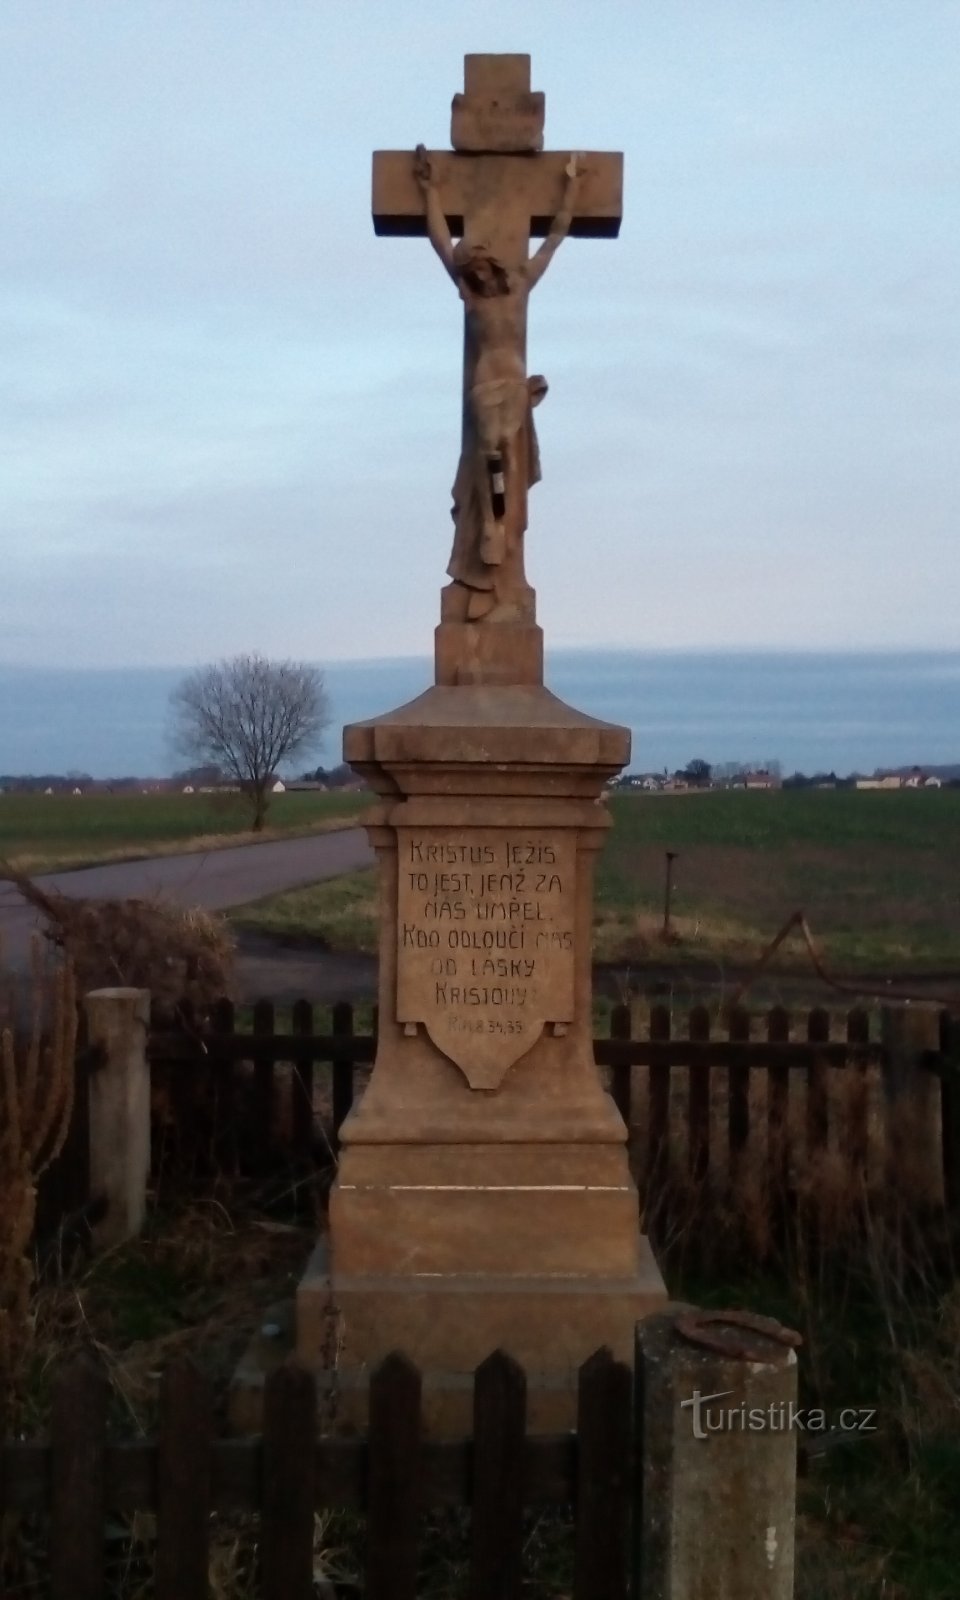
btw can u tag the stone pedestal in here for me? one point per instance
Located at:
(483, 1197)
(716, 1512)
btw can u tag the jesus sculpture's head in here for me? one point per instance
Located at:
(479, 270)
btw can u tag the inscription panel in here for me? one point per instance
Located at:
(485, 940)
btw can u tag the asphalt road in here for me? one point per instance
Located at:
(213, 879)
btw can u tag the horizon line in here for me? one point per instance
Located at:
(563, 649)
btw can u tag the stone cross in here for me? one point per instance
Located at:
(484, 1198)
(496, 189)
(497, 177)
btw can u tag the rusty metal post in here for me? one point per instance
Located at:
(671, 856)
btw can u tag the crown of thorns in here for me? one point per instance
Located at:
(467, 251)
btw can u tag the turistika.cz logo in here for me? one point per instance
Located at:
(780, 1416)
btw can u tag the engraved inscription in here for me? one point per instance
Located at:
(485, 941)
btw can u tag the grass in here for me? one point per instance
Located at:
(875, 874)
(39, 833)
(878, 1307)
(881, 1328)
(341, 913)
(195, 1283)
(876, 1517)
(865, 1269)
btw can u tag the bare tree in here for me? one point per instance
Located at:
(697, 772)
(248, 715)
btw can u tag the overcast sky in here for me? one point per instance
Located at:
(229, 414)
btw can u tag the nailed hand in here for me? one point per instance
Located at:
(422, 170)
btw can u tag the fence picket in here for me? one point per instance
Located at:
(342, 1028)
(77, 1499)
(263, 1072)
(856, 1143)
(289, 1458)
(186, 1083)
(604, 1447)
(818, 1032)
(738, 1101)
(658, 1125)
(620, 1075)
(698, 1113)
(499, 1429)
(223, 1025)
(223, 1015)
(950, 1109)
(394, 1484)
(224, 1121)
(183, 1484)
(64, 1187)
(302, 1088)
(778, 1107)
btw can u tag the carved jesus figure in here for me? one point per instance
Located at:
(499, 459)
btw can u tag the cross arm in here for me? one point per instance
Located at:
(535, 181)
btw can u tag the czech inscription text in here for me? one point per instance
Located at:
(485, 936)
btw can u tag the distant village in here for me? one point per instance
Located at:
(195, 780)
(699, 775)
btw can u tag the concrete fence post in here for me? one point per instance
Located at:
(912, 1099)
(717, 1457)
(117, 1023)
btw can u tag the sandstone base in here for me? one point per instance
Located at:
(484, 1197)
(451, 1252)
(450, 1324)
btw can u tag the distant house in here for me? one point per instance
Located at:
(890, 780)
(649, 782)
(762, 780)
(915, 779)
(188, 788)
(933, 782)
(279, 787)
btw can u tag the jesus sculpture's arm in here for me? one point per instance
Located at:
(538, 263)
(437, 231)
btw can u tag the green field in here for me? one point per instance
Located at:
(42, 831)
(876, 874)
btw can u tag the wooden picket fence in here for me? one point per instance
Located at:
(795, 1054)
(286, 1475)
(257, 1100)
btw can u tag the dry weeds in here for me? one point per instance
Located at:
(180, 955)
(36, 1104)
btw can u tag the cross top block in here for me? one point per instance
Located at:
(497, 114)
(498, 162)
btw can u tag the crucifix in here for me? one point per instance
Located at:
(495, 190)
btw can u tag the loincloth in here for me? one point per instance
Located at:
(500, 408)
